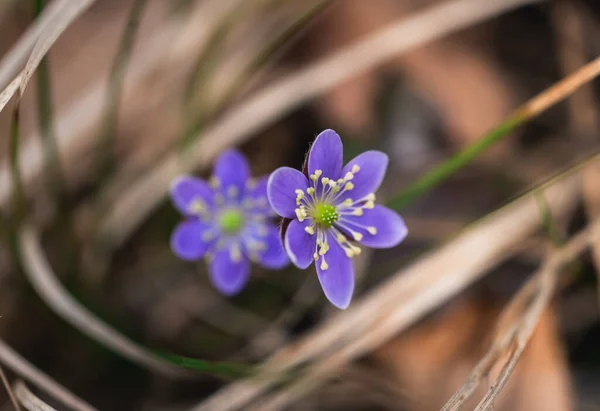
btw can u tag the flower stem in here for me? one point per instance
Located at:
(522, 115)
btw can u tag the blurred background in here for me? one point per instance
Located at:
(135, 92)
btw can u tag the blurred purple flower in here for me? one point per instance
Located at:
(329, 209)
(227, 221)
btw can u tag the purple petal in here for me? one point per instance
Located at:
(390, 227)
(185, 190)
(232, 170)
(281, 190)
(274, 257)
(228, 276)
(187, 240)
(373, 165)
(300, 245)
(337, 280)
(257, 193)
(326, 154)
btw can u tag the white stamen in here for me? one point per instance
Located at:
(310, 230)
(232, 191)
(324, 265)
(355, 168)
(372, 230)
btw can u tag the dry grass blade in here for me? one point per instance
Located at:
(29, 400)
(75, 125)
(9, 390)
(53, 21)
(10, 91)
(141, 198)
(19, 365)
(16, 57)
(40, 275)
(546, 280)
(401, 301)
(69, 11)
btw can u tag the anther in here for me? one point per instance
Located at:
(232, 191)
(310, 191)
(358, 212)
(310, 230)
(251, 183)
(369, 204)
(235, 253)
(299, 215)
(325, 181)
(324, 265)
(357, 236)
(372, 230)
(349, 176)
(355, 168)
(349, 186)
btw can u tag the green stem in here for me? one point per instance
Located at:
(115, 87)
(442, 171)
(45, 114)
(217, 368)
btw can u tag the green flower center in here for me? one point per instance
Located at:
(231, 221)
(325, 215)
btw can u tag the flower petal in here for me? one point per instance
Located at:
(372, 167)
(281, 190)
(232, 170)
(228, 276)
(274, 257)
(326, 154)
(390, 228)
(187, 241)
(337, 280)
(185, 190)
(300, 245)
(257, 194)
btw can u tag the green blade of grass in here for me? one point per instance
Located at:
(529, 110)
(115, 87)
(45, 113)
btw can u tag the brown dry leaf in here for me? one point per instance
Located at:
(432, 360)
(454, 73)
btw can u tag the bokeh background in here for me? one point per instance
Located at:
(134, 92)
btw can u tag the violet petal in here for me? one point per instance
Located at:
(187, 242)
(232, 170)
(185, 190)
(327, 154)
(373, 165)
(300, 245)
(337, 280)
(228, 276)
(281, 190)
(390, 228)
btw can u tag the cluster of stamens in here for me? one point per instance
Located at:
(231, 219)
(321, 206)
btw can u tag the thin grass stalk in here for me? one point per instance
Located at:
(46, 120)
(520, 116)
(9, 390)
(264, 57)
(110, 116)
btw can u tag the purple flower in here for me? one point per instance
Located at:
(330, 209)
(227, 221)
